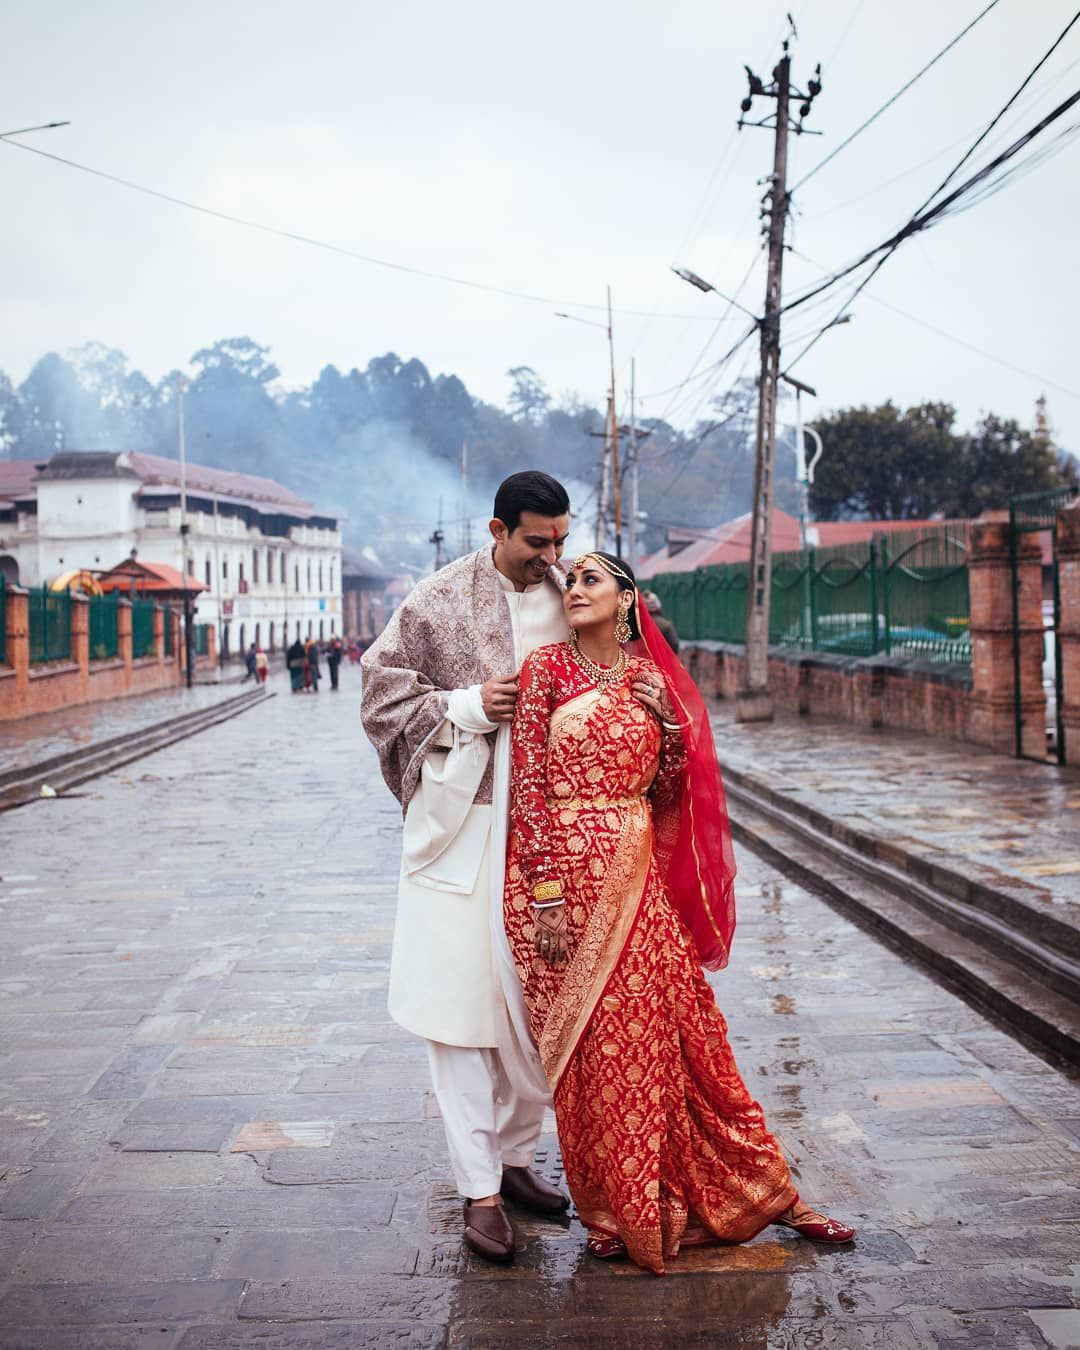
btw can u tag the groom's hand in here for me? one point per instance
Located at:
(499, 697)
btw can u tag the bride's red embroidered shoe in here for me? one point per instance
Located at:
(605, 1246)
(808, 1223)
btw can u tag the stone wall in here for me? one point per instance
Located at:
(874, 692)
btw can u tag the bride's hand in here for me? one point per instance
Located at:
(549, 934)
(650, 690)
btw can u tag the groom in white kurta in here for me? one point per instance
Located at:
(439, 692)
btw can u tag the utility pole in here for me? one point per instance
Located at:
(189, 636)
(600, 538)
(437, 538)
(466, 527)
(753, 700)
(616, 478)
(632, 531)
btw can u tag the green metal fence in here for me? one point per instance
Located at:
(925, 595)
(902, 594)
(50, 625)
(3, 622)
(201, 640)
(142, 628)
(167, 620)
(104, 626)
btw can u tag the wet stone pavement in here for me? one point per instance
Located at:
(33, 739)
(211, 1135)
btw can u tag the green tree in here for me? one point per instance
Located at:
(529, 399)
(1000, 460)
(885, 464)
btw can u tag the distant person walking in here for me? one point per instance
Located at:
(312, 672)
(249, 661)
(295, 660)
(262, 665)
(666, 627)
(334, 652)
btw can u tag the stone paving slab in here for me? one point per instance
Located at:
(211, 1135)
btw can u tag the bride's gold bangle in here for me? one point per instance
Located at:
(548, 890)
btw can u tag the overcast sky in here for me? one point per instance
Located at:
(550, 149)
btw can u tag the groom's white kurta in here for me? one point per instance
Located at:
(451, 976)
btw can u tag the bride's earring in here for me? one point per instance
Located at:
(622, 628)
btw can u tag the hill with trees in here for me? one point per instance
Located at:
(382, 444)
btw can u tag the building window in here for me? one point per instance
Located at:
(309, 576)
(254, 566)
(271, 635)
(209, 572)
(224, 569)
(297, 579)
(320, 630)
(331, 578)
(270, 565)
(331, 627)
(320, 576)
(283, 567)
(240, 573)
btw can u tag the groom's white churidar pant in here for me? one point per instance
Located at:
(489, 1126)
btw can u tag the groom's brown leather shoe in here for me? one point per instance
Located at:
(488, 1232)
(525, 1188)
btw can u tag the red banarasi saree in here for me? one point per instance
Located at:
(661, 1141)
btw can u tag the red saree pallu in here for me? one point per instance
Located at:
(661, 1141)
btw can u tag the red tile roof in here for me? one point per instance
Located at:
(149, 576)
(17, 476)
(157, 469)
(731, 542)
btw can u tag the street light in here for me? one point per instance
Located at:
(702, 285)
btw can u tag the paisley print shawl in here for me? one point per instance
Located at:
(451, 631)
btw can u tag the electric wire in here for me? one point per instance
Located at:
(339, 249)
(927, 215)
(952, 337)
(899, 93)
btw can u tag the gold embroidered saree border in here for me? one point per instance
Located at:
(601, 943)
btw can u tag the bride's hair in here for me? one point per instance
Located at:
(627, 582)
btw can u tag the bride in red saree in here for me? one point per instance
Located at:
(619, 887)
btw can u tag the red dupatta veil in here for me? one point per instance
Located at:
(700, 873)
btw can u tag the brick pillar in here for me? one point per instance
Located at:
(159, 634)
(1068, 551)
(18, 641)
(80, 642)
(123, 631)
(211, 646)
(993, 715)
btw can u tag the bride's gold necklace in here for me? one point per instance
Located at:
(603, 675)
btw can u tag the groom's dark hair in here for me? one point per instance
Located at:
(529, 491)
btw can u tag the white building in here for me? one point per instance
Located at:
(271, 561)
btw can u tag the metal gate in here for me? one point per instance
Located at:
(1031, 514)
